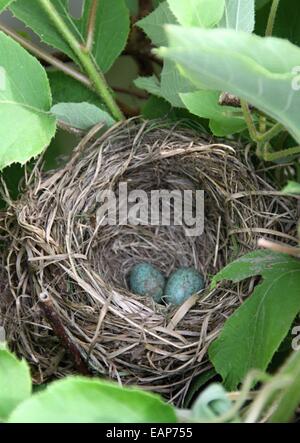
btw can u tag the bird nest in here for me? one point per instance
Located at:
(67, 306)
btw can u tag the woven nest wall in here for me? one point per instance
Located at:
(67, 306)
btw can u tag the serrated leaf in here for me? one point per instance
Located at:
(111, 30)
(239, 15)
(225, 120)
(292, 188)
(201, 13)
(252, 335)
(149, 84)
(25, 100)
(153, 24)
(33, 15)
(81, 115)
(4, 4)
(78, 400)
(173, 84)
(259, 70)
(15, 383)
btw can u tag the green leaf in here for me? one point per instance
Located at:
(4, 4)
(111, 30)
(15, 382)
(81, 115)
(79, 400)
(149, 84)
(260, 3)
(173, 84)
(292, 188)
(259, 70)
(153, 24)
(133, 6)
(227, 126)
(287, 20)
(252, 335)
(65, 89)
(201, 13)
(25, 100)
(289, 398)
(239, 15)
(212, 403)
(197, 384)
(224, 119)
(33, 15)
(156, 107)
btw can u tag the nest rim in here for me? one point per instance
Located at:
(117, 334)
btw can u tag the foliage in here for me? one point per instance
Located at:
(81, 115)
(15, 383)
(91, 400)
(204, 50)
(24, 98)
(254, 332)
(247, 66)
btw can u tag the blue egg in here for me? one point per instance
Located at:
(182, 284)
(146, 280)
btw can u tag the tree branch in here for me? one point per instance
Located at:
(85, 58)
(59, 330)
(43, 55)
(91, 25)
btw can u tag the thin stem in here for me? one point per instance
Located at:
(262, 124)
(43, 55)
(137, 94)
(85, 58)
(248, 118)
(56, 63)
(272, 17)
(91, 25)
(279, 155)
(275, 130)
(265, 396)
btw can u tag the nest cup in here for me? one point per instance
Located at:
(67, 306)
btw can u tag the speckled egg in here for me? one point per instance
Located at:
(182, 284)
(145, 279)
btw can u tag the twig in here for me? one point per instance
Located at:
(91, 25)
(85, 58)
(278, 247)
(137, 94)
(70, 129)
(59, 330)
(145, 55)
(43, 55)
